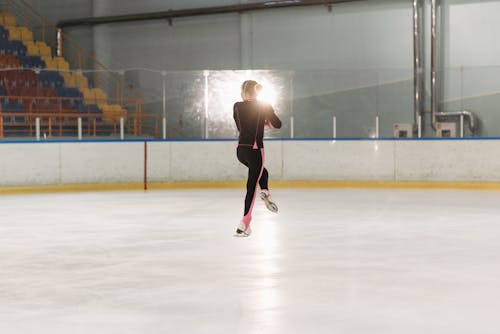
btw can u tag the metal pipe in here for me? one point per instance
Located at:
(122, 128)
(434, 53)
(171, 14)
(59, 42)
(469, 114)
(433, 62)
(79, 128)
(37, 128)
(418, 61)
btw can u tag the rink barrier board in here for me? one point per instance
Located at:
(117, 165)
(156, 186)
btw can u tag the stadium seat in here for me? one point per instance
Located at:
(50, 79)
(32, 48)
(81, 81)
(14, 33)
(44, 49)
(26, 34)
(61, 64)
(7, 19)
(19, 48)
(4, 33)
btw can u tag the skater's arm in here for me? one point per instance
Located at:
(272, 119)
(235, 116)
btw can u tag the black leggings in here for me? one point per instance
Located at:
(254, 160)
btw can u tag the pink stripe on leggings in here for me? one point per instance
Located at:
(248, 217)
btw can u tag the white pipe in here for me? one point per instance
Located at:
(164, 85)
(419, 126)
(164, 126)
(37, 128)
(461, 126)
(291, 127)
(79, 128)
(122, 128)
(377, 130)
(206, 74)
(334, 126)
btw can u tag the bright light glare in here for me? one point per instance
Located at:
(268, 94)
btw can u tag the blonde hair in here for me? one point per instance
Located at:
(250, 89)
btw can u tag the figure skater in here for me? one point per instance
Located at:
(251, 116)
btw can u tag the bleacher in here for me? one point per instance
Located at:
(34, 83)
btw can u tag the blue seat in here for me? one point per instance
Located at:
(31, 61)
(50, 79)
(89, 108)
(19, 48)
(13, 107)
(6, 47)
(4, 33)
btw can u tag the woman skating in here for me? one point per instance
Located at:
(251, 116)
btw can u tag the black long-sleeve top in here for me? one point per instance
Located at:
(250, 117)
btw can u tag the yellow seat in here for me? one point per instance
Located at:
(81, 81)
(101, 97)
(88, 96)
(49, 63)
(7, 19)
(26, 34)
(14, 33)
(44, 49)
(32, 49)
(62, 64)
(69, 79)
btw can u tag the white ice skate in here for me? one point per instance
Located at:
(243, 231)
(270, 205)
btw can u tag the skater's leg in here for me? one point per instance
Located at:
(254, 174)
(263, 182)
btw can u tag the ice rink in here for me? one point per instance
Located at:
(331, 261)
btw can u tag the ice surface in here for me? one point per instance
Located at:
(331, 261)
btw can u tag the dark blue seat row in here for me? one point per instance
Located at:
(89, 108)
(50, 79)
(4, 33)
(31, 61)
(70, 92)
(12, 107)
(12, 48)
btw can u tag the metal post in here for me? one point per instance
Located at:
(164, 128)
(59, 42)
(461, 126)
(377, 132)
(291, 127)
(122, 128)
(419, 126)
(164, 85)
(164, 93)
(205, 74)
(334, 126)
(37, 128)
(79, 128)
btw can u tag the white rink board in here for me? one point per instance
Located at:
(29, 164)
(123, 162)
(102, 162)
(339, 160)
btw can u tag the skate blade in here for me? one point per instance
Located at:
(271, 206)
(242, 234)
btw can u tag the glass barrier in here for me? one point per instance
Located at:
(45, 104)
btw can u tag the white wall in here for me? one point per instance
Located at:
(123, 162)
